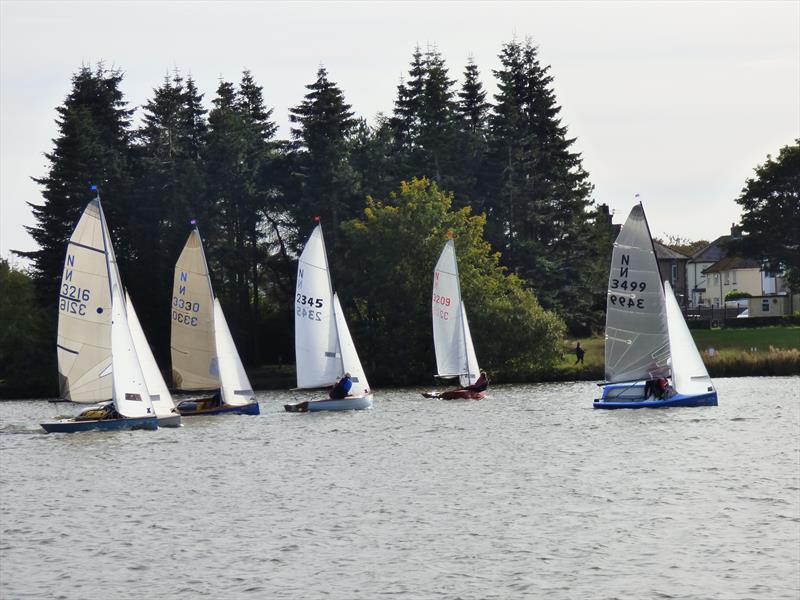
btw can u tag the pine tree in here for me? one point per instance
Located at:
(472, 113)
(92, 148)
(171, 190)
(542, 219)
(324, 128)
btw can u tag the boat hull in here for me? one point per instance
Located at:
(456, 395)
(73, 426)
(349, 403)
(170, 420)
(191, 408)
(632, 396)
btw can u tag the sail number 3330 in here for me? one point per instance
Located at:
(187, 307)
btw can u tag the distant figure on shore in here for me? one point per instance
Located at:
(579, 352)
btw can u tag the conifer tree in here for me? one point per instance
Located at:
(92, 148)
(541, 217)
(472, 112)
(171, 191)
(324, 126)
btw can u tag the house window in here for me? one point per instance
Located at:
(727, 277)
(674, 273)
(765, 305)
(734, 278)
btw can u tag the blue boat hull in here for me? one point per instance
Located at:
(632, 396)
(349, 403)
(72, 426)
(189, 408)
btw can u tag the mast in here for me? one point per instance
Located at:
(463, 310)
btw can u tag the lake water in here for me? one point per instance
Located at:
(528, 494)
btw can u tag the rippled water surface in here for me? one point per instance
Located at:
(528, 494)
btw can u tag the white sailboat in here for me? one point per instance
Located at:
(204, 355)
(324, 349)
(97, 358)
(455, 353)
(646, 335)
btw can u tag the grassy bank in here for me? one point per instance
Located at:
(726, 353)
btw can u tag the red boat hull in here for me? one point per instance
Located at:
(456, 395)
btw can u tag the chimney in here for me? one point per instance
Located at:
(736, 230)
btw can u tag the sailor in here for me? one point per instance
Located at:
(342, 387)
(480, 384)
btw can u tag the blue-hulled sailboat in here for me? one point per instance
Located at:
(204, 355)
(97, 357)
(647, 338)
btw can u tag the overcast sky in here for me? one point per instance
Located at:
(676, 101)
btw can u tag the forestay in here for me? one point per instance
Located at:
(689, 373)
(348, 353)
(455, 356)
(234, 384)
(193, 348)
(84, 316)
(318, 362)
(637, 342)
(156, 386)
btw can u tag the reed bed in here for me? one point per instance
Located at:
(745, 363)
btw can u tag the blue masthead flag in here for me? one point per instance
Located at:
(94, 187)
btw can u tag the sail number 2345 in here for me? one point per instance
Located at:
(305, 305)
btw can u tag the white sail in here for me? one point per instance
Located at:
(131, 396)
(156, 386)
(193, 349)
(689, 373)
(473, 371)
(637, 341)
(84, 316)
(234, 385)
(451, 338)
(347, 350)
(319, 364)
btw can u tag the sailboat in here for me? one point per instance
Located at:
(324, 348)
(97, 357)
(204, 355)
(455, 354)
(646, 335)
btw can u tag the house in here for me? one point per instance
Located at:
(697, 281)
(732, 274)
(672, 267)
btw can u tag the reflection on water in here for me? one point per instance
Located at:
(528, 494)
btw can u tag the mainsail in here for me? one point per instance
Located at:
(84, 316)
(689, 373)
(455, 354)
(193, 347)
(637, 340)
(318, 359)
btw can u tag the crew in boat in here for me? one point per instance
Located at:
(342, 388)
(481, 384)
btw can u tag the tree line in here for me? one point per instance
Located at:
(509, 162)
(498, 175)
